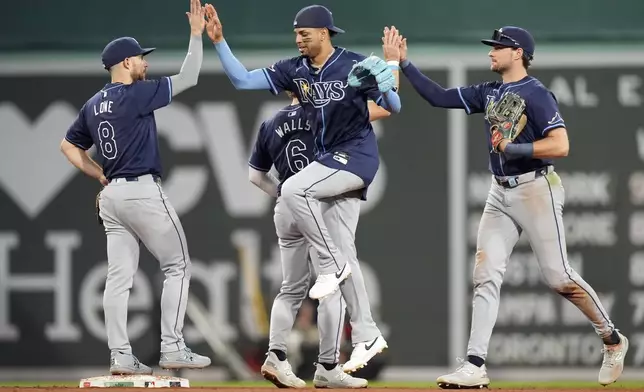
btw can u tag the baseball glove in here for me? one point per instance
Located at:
(507, 119)
(370, 71)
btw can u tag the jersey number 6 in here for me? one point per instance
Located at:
(296, 160)
(106, 139)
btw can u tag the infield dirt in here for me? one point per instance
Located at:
(263, 389)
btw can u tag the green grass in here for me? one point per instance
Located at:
(639, 385)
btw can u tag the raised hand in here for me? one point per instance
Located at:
(403, 49)
(196, 17)
(213, 26)
(391, 42)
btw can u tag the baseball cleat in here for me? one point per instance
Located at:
(183, 359)
(328, 284)
(613, 363)
(362, 354)
(127, 364)
(280, 373)
(336, 378)
(466, 376)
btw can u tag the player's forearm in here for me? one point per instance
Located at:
(189, 73)
(544, 148)
(550, 148)
(391, 101)
(79, 158)
(433, 93)
(264, 181)
(376, 112)
(240, 77)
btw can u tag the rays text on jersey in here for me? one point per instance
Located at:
(319, 94)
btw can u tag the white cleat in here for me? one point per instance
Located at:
(336, 378)
(328, 284)
(466, 376)
(613, 363)
(362, 354)
(280, 373)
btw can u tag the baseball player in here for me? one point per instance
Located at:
(286, 142)
(526, 133)
(333, 86)
(119, 121)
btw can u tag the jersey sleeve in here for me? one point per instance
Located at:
(150, 95)
(78, 134)
(543, 110)
(473, 97)
(279, 75)
(260, 159)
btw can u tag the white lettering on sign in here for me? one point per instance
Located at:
(573, 92)
(544, 348)
(637, 300)
(636, 228)
(636, 269)
(636, 188)
(628, 90)
(591, 228)
(523, 309)
(637, 342)
(587, 189)
(211, 126)
(62, 243)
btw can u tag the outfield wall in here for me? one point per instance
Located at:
(433, 182)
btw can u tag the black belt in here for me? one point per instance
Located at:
(513, 182)
(155, 178)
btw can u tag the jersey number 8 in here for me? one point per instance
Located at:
(106, 139)
(296, 160)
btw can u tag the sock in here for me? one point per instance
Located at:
(612, 339)
(476, 361)
(281, 355)
(329, 366)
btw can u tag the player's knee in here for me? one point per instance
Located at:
(291, 189)
(182, 269)
(562, 285)
(294, 187)
(559, 281)
(485, 271)
(293, 290)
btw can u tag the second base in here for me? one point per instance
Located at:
(136, 381)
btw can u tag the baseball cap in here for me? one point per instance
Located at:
(120, 49)
(513, 37)
(317, 17)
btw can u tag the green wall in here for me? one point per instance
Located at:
(250, 24)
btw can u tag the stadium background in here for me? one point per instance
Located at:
(417, 232)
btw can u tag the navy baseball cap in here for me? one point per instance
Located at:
(513, 37)
(120, 49)
(317, 17)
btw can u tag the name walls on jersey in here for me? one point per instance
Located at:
(577, 91)
(293, 125)
(210, 126)
(77, 311)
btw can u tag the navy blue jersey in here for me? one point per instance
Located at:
(542, 112)
(338, 113)
(119, 121)
(286, 141)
